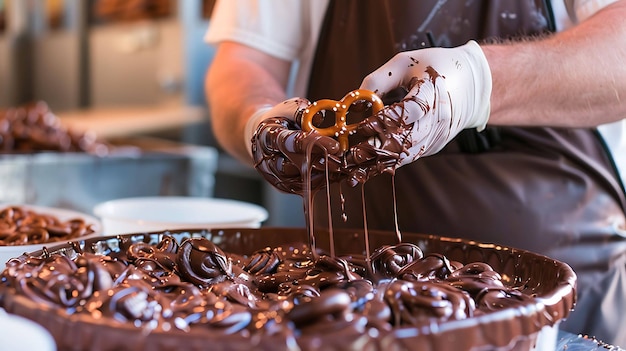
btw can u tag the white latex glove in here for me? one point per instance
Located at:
(449, 90)
(288, 109)
(280, 148)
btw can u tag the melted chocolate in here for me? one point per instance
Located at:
(274, 294)
(302, 163)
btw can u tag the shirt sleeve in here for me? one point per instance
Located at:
(580, 10)
(271, 26)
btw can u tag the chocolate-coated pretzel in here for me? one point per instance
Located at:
(341, 129)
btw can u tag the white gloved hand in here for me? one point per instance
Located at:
(449, 90)
(283, 152)
(287, 109)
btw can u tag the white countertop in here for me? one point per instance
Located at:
(128, 121)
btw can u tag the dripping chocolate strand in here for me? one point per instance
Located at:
(395, 207)
(308, 197)
(365, 230)
(330, 219)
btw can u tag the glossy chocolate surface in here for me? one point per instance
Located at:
(264, 288)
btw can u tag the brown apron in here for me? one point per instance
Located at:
(551, 191)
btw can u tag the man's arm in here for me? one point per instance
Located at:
(576, 78)
(240, 80)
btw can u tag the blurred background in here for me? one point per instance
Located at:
(126, 69)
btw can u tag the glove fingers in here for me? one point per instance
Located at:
(393, 74)
(434, 126)
(288, 108)
(419, 101)
(401, 129)
(413, 107)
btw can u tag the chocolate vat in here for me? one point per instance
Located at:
(520, 329)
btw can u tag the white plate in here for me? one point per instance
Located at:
(21, 334)
(8, 252)
(156, 213)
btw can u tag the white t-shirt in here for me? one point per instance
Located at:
(289, 30)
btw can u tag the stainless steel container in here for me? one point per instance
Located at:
(78, 181)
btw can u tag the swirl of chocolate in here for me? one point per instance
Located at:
(271, 283)
(130, 302)
(114, 267)
(43, 279)
(140, 250)
(202, 263)
(332, 304)
(118, 252)
(359, 262)
(164, 255)
(369, 302)
(179, 300)
(155, 273)
(59, 280)
(475, 277)
(292, 265)
(56, 282)
(235, 292)
(329, 271)
(413, 303)
(215, 312)
(298, 293)
(94, 273)
(166, 251)
(262, 262)
(388, 260)
(133, 274)
(498, 298)
(298, 252)
(430, 267)
(167, 244)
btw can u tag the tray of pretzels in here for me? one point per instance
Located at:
(46, 164)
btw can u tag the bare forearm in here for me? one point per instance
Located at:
(576, 78)
(239, 81)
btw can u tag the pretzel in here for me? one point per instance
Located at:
(341, 129)
(22, 226)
